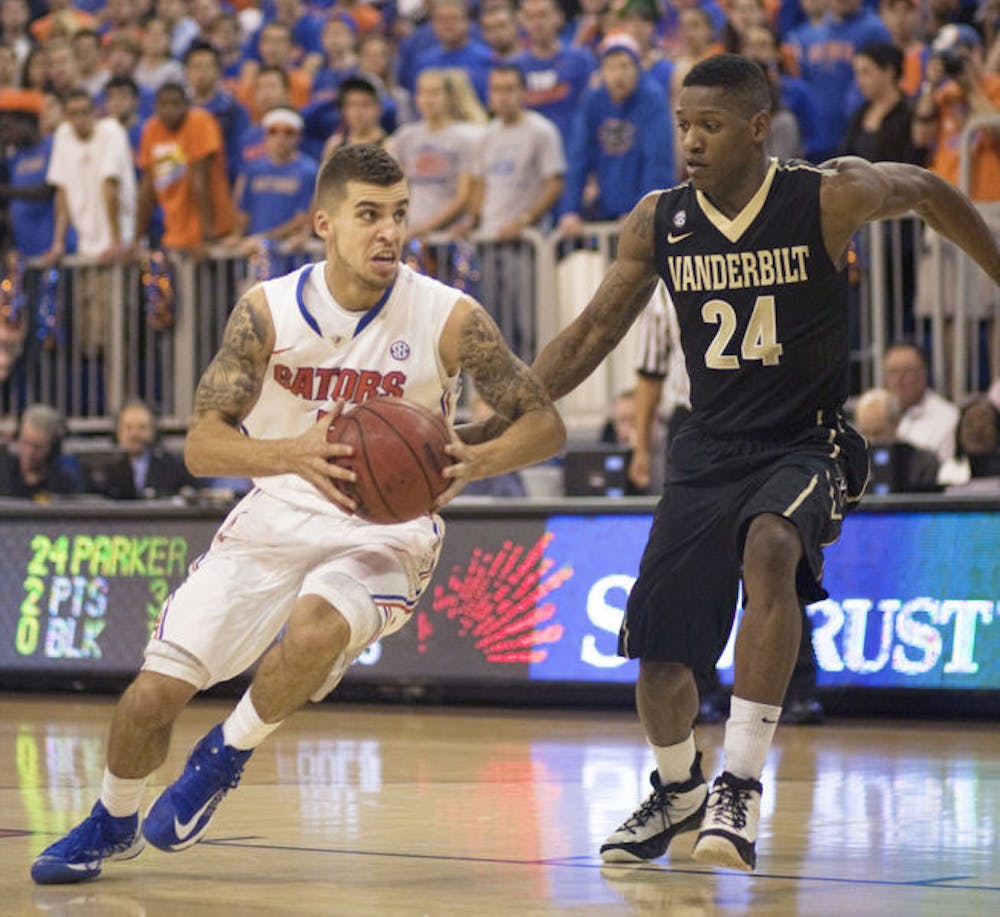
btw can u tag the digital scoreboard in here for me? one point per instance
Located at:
(528, 594)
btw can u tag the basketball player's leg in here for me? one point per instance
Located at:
(785, 522)
(137, 745)
(334, 617)
(667, 626)
(295, 667)
(141, 723)
(768, 640)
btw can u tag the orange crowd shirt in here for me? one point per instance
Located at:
(168, 156)
(953, 111)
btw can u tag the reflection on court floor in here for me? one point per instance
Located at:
(390, 810)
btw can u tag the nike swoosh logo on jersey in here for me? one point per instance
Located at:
(183, 829)
(282, 350)
(673, 240)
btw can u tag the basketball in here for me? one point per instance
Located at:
(398, 458)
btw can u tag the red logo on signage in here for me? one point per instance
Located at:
(497, 601)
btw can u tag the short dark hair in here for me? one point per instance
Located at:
(203, 47)
(77, 92)
(123, 82)
(357, 83)
(884, 55)
(510, 68)
(364, 162)
(739, 76)
(280, 72)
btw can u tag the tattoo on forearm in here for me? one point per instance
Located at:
(503, 381)
(623, 294)
(233, 379)
(578, 350)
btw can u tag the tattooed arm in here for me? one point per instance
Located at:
(534, 431)
(626, 288)
(226, 394)
(580, 347)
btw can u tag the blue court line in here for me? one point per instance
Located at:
(573, 863)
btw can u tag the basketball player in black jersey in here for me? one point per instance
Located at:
(752, 251)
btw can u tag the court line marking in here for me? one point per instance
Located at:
(624, 871)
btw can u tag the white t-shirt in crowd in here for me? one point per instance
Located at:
(80, 168)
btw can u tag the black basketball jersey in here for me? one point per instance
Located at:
(762, 309)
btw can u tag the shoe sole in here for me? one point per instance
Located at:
(622, 856)
(61, 874)
(714, 850)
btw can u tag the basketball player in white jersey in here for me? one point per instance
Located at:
(291, 555)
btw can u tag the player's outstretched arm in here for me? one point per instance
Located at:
(227, 392)
(471, 341)
(623, 293)
(855, 192)
(579, 348)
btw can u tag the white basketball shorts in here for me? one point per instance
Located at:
(239, 594)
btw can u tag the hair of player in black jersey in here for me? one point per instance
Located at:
(361, 162)
(741, 78)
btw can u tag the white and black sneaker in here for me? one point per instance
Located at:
(671, 809)
(729, 833)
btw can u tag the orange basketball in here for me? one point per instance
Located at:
(398, 458)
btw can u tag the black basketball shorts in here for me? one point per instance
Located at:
(682, 606)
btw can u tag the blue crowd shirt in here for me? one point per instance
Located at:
(33, 222)
(629, 146)
(555, 85)
(273, 193)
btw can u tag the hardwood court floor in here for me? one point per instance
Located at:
(384, 811)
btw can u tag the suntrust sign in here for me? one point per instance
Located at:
(914, 600)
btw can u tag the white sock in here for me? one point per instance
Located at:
(749, 731)
(244, 728)
(120, 795)
(674, 761)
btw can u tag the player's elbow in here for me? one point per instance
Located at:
(194, 457)
(552, 432)
(197, 449)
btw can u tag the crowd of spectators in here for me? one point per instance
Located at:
(189, 83)
(36, 465)
(189, 123)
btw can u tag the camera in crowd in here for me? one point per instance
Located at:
(953, 63)
(953, 45)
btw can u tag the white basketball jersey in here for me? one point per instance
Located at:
(323, 352)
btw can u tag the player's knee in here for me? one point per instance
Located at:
(319, 631)
(154, 700)
(773, 546)
(663, 678)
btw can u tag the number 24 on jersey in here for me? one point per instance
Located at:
(760, 341)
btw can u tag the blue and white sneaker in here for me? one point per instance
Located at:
(182, 812)
(77, 856)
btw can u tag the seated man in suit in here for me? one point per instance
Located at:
(35, 467)
(145, 470)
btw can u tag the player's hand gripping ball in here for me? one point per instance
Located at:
(398, 458)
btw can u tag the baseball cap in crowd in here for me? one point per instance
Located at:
(620, 42)
(282, 117)
(956, 36)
